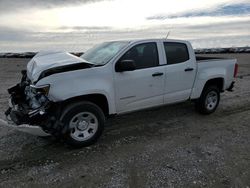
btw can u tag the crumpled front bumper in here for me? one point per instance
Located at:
(31, 129)
(12, 120)
(20, 115)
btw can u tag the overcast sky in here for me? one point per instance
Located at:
(76, 25)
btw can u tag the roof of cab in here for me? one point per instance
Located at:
(153, 40)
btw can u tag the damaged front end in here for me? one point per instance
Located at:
(29, 104)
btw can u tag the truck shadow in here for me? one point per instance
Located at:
(146, 122)
(136, 124)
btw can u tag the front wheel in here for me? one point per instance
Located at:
(84, 122)
(209, 100)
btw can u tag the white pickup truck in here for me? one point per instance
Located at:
(70, 97)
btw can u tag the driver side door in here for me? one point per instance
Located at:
(144, 86)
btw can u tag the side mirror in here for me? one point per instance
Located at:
(125, 65)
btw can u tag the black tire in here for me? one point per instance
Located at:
(201, 104)
(72, 111)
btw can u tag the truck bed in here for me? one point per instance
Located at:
(201, 59)
(215, 67)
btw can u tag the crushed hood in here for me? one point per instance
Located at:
(48, 60)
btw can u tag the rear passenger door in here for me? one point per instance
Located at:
(180, 72)
(143, 87)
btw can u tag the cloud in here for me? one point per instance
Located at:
(82, 38)
(9, 34)
(77, 25)
(82, 28)
(235, 9)
(7, 6)
(106, 13)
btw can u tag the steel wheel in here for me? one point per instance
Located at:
(83, 126)
(83, 123)
(211, 100)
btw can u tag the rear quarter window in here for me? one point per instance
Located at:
(176, 52)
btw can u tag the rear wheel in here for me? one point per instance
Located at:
(209, 100)
(84, 123)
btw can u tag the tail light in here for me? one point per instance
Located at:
(235, 70)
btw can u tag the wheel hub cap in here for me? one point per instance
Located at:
(211, 101)
(82, 125)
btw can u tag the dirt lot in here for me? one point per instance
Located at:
(172, 146)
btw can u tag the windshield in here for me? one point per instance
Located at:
(103, 53)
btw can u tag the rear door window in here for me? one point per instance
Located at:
(176, 52)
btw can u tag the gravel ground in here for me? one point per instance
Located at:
(171, 146)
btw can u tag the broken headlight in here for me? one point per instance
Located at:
(36, 96)
(44, 89)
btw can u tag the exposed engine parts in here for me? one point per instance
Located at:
(30, 105)
(26, 103)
